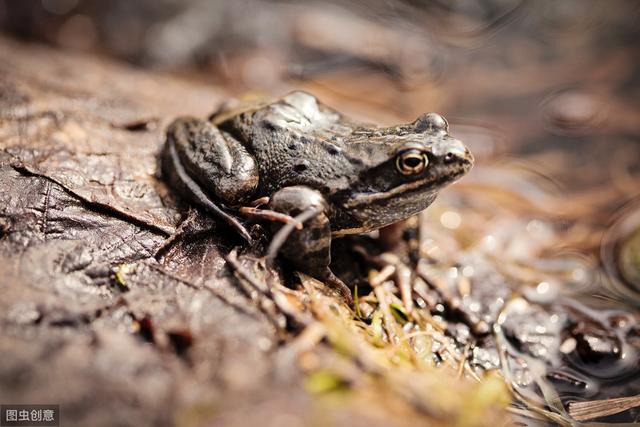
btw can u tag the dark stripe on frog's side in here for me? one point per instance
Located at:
(364, 199)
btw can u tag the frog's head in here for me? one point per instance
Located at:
(428, 156)
(407, 166)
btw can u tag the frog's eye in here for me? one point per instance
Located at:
(410, 162)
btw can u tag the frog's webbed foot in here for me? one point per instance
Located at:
(307, 248)
(260, 201)
(331, 280)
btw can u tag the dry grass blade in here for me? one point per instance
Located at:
(403, 279)
(584, 411)
(257, 285)
(399, 371)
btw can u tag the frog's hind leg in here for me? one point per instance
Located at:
(309, 248)
(174, 170)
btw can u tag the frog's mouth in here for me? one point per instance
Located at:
(425, 185)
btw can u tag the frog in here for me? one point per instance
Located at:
(317, 174)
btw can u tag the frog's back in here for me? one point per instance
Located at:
(297, 141)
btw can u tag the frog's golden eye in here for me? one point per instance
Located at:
(410, 162)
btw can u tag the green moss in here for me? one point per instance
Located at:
(324, 382)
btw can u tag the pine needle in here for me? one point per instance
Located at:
(583, 411)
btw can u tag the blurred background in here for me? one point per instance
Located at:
(545, 94)
(548, 90)
(471, 58)
(514, 76)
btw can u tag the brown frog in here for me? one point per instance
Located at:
(306, 161)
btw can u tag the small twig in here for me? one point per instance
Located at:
(232, 259)
(403, 280)
(382, 276)
(463, 360)
(174, 238)
(383, 303)
(308, 339)
(269, 215)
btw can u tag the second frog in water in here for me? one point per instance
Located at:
(307, 161)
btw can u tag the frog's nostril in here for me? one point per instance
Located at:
(458, 156)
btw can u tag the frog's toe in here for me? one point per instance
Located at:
(332, 281)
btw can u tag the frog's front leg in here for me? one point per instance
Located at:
(308, 248)
(209, 167)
